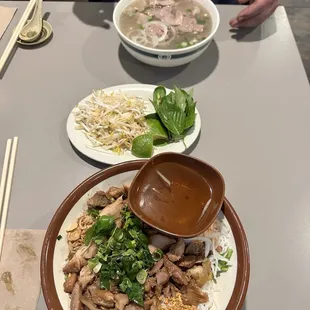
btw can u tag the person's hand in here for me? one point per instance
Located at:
(256, 13)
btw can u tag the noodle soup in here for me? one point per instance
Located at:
(166, 24)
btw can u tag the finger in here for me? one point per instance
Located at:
(259, 19)
(252, 22)
(252, 10)
(233, 22)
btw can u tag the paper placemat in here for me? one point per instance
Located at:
(20, 269)
(6, 15)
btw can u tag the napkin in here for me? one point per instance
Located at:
(20, 269)
(6, 15)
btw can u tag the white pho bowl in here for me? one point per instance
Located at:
(162, 57)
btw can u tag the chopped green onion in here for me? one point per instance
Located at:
(157, 255)
(182, 44)
(118, 235)
(92, 263)
(141, 276)
(200, 21)
(125, 284)
(229, 253)
(193, 42)
(59, 237)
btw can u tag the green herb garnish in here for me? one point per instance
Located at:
(94, 213)
(136, 293)
(103, 227)
(201, 21)
(59, 237)
(183, 44)
(141, 276)
(123, 255)
(223, 265)
(157, 255)
(176, 111)
(175, 115)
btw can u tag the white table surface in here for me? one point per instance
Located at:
(254, 100)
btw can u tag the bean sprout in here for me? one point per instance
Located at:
(111, 121)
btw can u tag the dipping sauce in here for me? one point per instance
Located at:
(174, 196)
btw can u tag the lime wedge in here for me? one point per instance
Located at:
(142, 146)
(157, 130)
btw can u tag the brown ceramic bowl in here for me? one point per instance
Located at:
(185, 210)
(54, 252)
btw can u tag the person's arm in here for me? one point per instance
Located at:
(256, 13)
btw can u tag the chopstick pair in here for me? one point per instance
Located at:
(6, 184)
(7, 52)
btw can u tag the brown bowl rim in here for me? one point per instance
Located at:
(47, 254)
(214, 212)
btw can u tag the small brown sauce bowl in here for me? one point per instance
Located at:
(177, 194)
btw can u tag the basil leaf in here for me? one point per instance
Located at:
(175, 110)
(180, 98)
(173, 118)
(190, 115)
(152, 116)
(190, 120)
(171, 98)
(191, 92)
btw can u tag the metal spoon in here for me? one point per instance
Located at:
(32, 30)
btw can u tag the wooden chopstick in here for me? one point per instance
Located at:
(5, 171)
(6, 184)
(14, 37)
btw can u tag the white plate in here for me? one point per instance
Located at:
(225, 283)
(81, 142)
